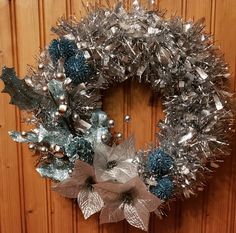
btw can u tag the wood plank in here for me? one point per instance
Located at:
(232, 211)
(199, 9)
(220, 191)
(59, 9)
(79, 8)
(36, 217)
(10, 192)
(173, 7)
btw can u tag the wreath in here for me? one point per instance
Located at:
(72, 136)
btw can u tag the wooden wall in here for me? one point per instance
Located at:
(27, 204)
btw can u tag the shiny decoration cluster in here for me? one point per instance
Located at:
(71, 134)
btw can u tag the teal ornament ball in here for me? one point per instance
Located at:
(164, 188)
(77, 69)
(159, 162)
(62, 48)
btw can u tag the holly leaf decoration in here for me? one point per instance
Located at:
(21, 94)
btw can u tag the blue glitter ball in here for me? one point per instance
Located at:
(54, 51)
(164, 188)
(77, 69)
(159, 162)
(67, 48)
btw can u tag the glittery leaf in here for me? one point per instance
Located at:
(21, 94)
(55, 169)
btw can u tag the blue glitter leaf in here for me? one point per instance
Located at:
(21, 94)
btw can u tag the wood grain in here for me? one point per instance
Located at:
(10, 181)
(35, 196)
(27, 204)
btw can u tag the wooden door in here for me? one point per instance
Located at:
(27, 204)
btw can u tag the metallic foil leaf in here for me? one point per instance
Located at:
(202, 73)
(218, 104)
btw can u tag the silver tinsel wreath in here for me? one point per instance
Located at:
(110, 46)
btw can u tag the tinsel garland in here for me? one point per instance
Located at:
(71, 133)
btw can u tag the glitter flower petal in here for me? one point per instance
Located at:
(89, 202)
(80, 186)
(115, 163)
(112, 213)
(131, 201)
(137, 215)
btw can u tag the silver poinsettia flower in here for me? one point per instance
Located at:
(131, 201)
(80, 186)
(115, 163)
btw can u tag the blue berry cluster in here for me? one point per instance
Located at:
(164, 188)
(54, 50)
(75, 64)
(159, 164)
(77, 69)
(62, 48)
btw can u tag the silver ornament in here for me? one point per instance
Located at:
(45, 88)
(62, 108)
(127, 118)
(67, 81)
(57, 114)
(111, 123)
(31, 147)
(119, 135)
(43, 149)
(75, 116)
(28, 81)
(23, 133)
(60, 76)
(104, 137)
(52, 146)
(40, 66)
(62, 98)
(36, 130)
(57, 148)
